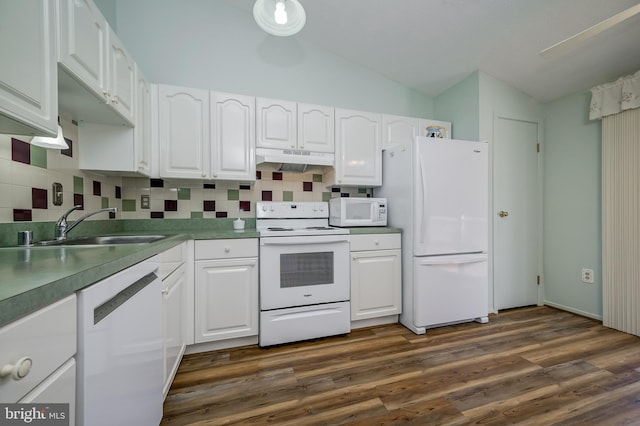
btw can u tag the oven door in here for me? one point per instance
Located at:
(303, 270)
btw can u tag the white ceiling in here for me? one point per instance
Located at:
(430, 45)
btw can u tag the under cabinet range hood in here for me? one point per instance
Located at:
(294, 160)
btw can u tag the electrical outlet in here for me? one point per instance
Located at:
(144, 201)
(587, 275)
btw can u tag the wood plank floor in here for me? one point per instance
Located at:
(529, 366)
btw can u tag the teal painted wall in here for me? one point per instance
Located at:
(110, 11)
(460, 105)
(214, 45)
(572, 205)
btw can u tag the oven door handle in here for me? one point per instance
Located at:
(303, 240)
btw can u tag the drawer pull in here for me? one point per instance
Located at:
(227, 249)
(17, 371)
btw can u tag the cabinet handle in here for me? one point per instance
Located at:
(17, 371)
(253, 263)
(227, 249)
(165, 291)
(114, 101)
(376, 242)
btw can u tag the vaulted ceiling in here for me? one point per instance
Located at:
(430, 45)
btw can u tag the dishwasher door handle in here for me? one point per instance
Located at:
(106, 308)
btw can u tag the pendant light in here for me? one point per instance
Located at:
(51, 143)
(279, 17)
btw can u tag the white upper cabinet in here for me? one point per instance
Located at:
(233, 139)
(398, 130)
(206, 135)
(93, 58)
(122, 78)
(358, 148)
(142, 131)
(183, 132)
(83, 33)
(276, 124)
(28, 91)
(316, 128)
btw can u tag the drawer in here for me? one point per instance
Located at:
(170, 260)
(47, 336)
(226, 249)
(374, 242)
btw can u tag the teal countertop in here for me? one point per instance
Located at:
(35, 277)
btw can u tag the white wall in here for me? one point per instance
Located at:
(214, 44)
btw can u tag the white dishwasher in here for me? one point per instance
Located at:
(120, 349)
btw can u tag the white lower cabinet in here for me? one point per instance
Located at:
(226, 289)
(173, 272)
(376, 287)
(37, 357)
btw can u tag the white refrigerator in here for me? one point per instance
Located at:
(437, 192)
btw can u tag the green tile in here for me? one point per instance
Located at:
(128, 205)
(78, 185)
(38, 156)
(287, 195)
(197, 215)
(105, 202)
(362, 190)
(326, 196)
(184, 193)
(317, 178)
(233, 194)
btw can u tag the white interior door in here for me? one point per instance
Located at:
(515, 213)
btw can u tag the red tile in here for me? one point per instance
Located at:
(20, 151)
(118, 192)
(157, 215)
(209, 206)
(78, 200)
(221, 214)
(245, 206)
(97, 188)
(307, 186)
(267, 196)
(39, 198)
(21, 215)
(170, 205)
(258, 174)
(276, 176)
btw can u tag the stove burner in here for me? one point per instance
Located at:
(276, 228)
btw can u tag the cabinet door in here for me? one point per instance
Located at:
(316, 128)
(142, 131)
(122, 79)
(83, 43)
(233, 145)
(397, 130)
(174, 305)
(28, 78)
(226, 299)
(375, 284)
(275, 124)
(358, 148)
(183, 132)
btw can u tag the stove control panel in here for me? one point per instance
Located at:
(291, 210)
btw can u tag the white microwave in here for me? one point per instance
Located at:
(348, 211)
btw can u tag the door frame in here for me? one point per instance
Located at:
(540, 200)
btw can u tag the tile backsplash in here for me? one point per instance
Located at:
(28, 172)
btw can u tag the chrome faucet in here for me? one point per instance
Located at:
(63, 228)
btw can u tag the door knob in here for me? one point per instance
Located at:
(502, 213)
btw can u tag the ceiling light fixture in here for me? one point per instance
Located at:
(279, 17)
(51, 143)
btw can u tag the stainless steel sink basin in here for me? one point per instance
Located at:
(103, 241)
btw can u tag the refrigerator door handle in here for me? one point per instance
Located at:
(422, 192)
(457, 260)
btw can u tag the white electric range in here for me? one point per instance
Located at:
(304, 273)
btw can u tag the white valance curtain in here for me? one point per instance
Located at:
(612, 98)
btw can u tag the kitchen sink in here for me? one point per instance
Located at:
(103, 241)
